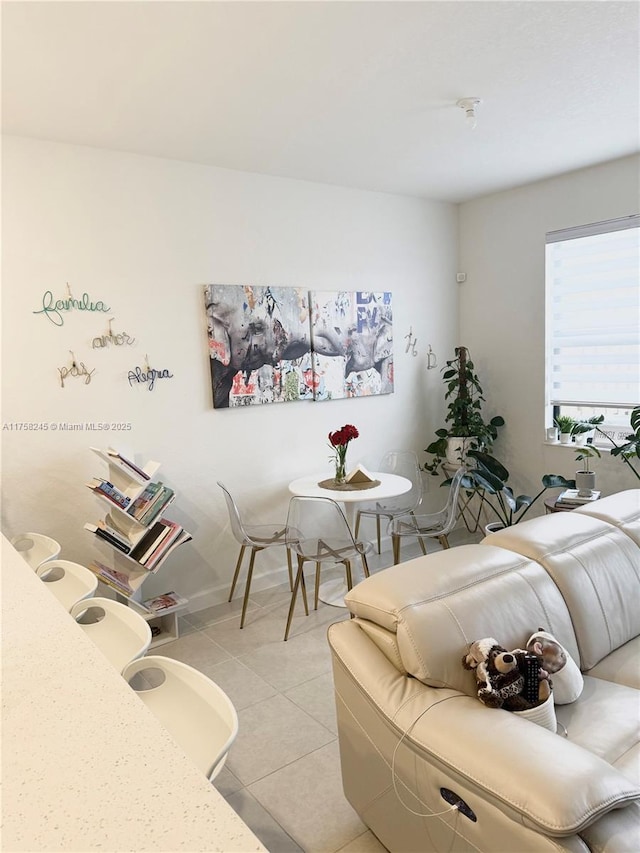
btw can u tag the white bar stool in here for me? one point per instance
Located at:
(196, 712)
(69, 582)
(121, 634)
(36, 548)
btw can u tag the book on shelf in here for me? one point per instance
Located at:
(109, 491)
(165, 532)
(127, 463)
(151, 502)
(102, 533)
(156, 560)
(112, 577)
(164, 603)
(173, 530)
(572, 497)
(144, 499)
(157, 506)
(146, 541)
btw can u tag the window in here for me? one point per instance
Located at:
(593, 321)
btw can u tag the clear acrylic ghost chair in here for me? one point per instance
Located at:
(36, 548)
(121, 634)
(317, 531)
(195, 711)
(437, 525)
(404, 463)
(254, 536)
(69, 582)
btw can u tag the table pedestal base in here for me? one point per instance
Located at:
(333, 592)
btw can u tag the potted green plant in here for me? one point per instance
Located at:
(586, 478)
(466, 428)
(584, 430)
(628, 450)
(565, 424)
(490, 476)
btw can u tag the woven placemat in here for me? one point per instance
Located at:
(347, 487)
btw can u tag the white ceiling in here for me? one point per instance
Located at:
(361, 94)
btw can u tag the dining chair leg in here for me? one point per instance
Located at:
(395, 540)
(365, 565)
(303, 586)
(443, 540)
(347, 567)
(420, 539)
(317, 589)
(237, 571)
(347, 571)
(294, 594)
(378, 531)
(248, 585)
(289, 567)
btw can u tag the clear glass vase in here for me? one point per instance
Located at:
(341, 467)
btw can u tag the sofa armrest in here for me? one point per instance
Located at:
(537, 778)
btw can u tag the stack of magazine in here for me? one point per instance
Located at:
(164, 603)
(570, 498)
(112, 577)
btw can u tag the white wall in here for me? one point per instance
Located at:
(143, 235)
(502, 239)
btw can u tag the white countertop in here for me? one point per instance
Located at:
(85, 765)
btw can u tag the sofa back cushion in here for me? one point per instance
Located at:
(433, 607)
(622, 510)
(595, 565)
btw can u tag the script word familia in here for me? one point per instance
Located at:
(138, 375)
(51, 309)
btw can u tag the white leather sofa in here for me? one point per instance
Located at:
(410, 724)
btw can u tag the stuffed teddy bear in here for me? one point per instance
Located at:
(502, 676)
(567, 678)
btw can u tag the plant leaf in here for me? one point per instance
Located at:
(557, 481)
(491, 464)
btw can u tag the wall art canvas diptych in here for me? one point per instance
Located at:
(267, 346)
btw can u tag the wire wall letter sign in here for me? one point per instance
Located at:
(51, 309)
(75, 370)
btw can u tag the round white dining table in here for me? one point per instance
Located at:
(391, 485)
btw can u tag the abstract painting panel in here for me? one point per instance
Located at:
(351, 343)
(259, 344)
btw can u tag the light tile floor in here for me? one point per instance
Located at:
(282, 775)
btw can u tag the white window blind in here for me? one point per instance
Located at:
(593, 314)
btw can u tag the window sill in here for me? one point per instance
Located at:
(574, 448)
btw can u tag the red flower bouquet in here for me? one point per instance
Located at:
(339, 441)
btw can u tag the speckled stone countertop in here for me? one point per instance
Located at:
(85, 764)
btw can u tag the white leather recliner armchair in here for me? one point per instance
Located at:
(413, 736)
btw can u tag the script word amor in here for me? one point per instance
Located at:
(117, 340)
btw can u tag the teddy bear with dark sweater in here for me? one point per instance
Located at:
(513, 680)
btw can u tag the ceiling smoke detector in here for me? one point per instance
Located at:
(469, 106)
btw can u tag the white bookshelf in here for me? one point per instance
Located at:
(132, 483)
